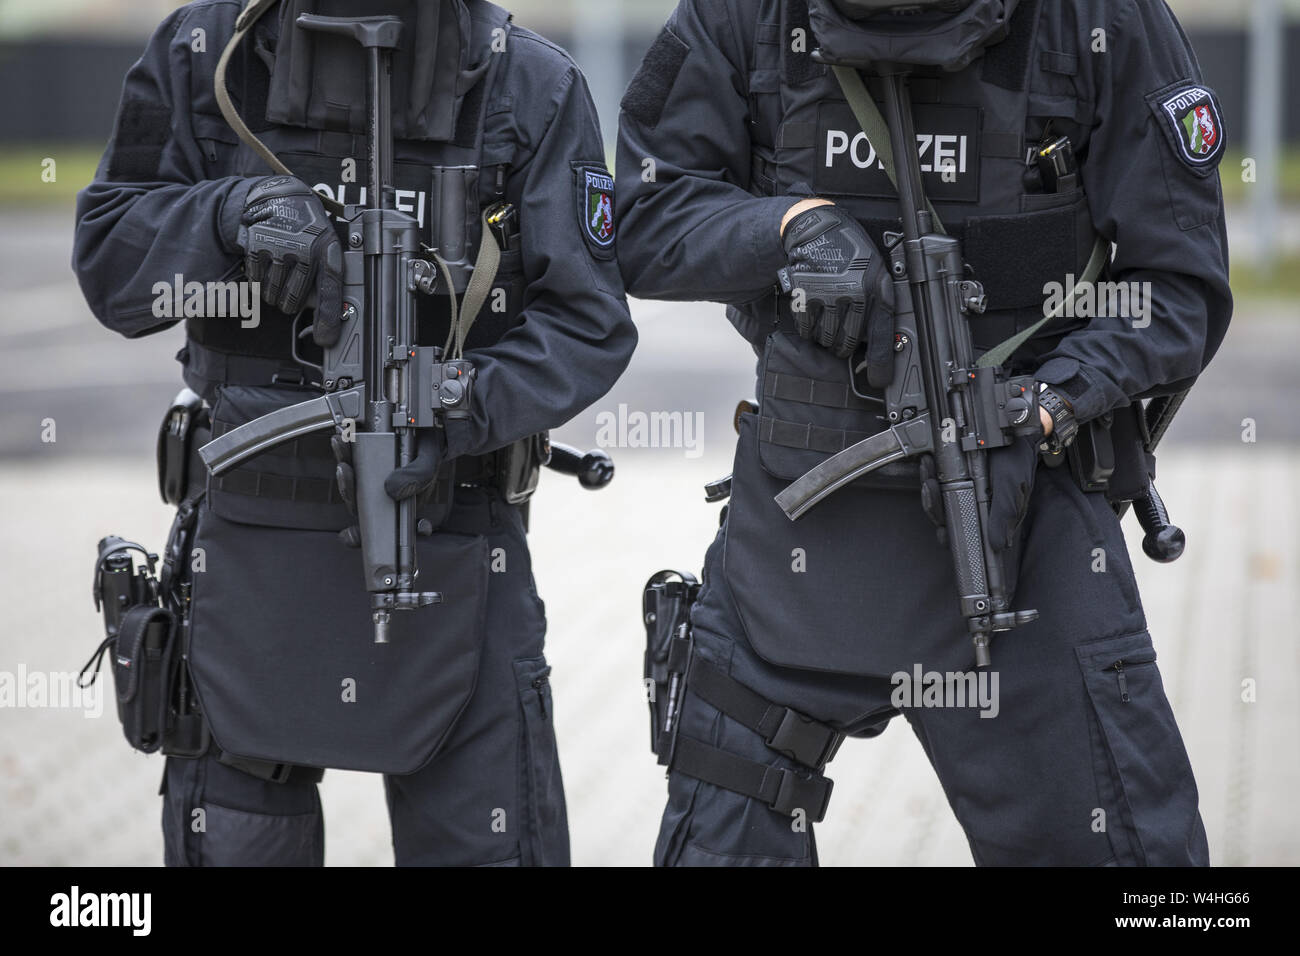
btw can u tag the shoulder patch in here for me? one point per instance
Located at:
(594, 189)
(1191, 117)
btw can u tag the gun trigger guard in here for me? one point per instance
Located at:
(299, 335)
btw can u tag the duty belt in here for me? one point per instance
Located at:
(259, 479)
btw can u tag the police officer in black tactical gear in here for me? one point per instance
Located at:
(494, 129)
(1050, 135)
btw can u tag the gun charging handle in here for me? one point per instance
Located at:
(377, 33)
(1164, 541)
(594, 470)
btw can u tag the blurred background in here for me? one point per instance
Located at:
(81, 406)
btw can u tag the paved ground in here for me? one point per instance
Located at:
(72, 792)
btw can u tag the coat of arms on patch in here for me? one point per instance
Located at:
(1197, 124)
(597, 209)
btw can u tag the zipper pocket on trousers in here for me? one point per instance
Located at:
(538, 684)
(1121, 667)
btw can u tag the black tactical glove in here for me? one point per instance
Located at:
(407, 482)
(291, 248)
(419, 476)
(344, 474)
(1011, 485)
(844, 284)
(932, 497)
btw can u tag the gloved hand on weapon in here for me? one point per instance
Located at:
(845, 293)
(407, 482)
(1011, 474)
(1012, 469)
(291, 248)
(1011, 484)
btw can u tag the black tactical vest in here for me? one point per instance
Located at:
(458, 176)
(975, 129)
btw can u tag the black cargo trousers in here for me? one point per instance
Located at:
(1082, 765)
(491, 796)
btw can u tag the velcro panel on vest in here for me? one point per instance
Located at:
(649, 90)
(798, 67)
(1016, 256)
(1006, 64)
(143, 129)
(469, 118)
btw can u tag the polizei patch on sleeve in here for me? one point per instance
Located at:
(1191, 118)
(595, 195)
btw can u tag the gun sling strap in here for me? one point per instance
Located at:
(877, 130)
(489, 254)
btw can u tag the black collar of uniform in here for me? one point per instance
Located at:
(948, 41)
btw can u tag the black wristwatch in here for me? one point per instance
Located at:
(1064, 425)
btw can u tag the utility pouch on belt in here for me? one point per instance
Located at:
(175, 444)
(1135, 467)
(666, 612)
(1110, 454)
(140, 641)
(1092, 455)
(519, 467)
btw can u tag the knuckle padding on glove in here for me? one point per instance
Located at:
(831, 316)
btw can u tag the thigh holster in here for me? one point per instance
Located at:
(666, 613)
(673, 669)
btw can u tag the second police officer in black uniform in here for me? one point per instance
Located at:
(739, 156)
(456, 709)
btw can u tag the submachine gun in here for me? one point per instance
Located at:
(944, 403)
(937, 386)
(381, 389)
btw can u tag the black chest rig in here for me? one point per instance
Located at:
(444, 183)
(975, 130)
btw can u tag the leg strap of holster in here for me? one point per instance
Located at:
(784, 729)
(785, 791)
